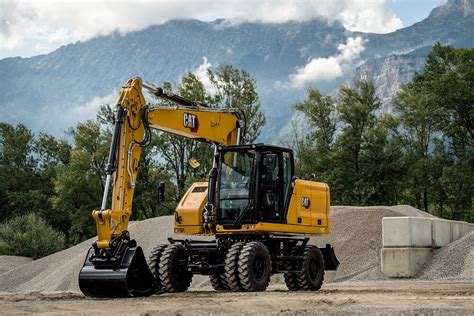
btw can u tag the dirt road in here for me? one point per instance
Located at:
(367, 298)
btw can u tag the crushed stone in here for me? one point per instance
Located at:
(8, 263)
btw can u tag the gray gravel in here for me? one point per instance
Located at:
(356, 236)
(8, 263)
(452, 262)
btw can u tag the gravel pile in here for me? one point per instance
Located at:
(356, 237)
(8, 263)
(59, 271)
(452, 262)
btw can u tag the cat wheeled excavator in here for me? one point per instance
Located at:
(259, 213)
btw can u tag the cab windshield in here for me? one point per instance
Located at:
(235, 183)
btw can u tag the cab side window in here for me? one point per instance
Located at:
(271, 201)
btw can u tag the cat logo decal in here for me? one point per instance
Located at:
(191, 121)
(305, 202)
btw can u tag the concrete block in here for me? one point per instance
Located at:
(464, 229)
(456, 229)
(403, 262)
(406, 232)
(440, 232)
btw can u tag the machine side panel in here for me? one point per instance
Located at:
(309, 204)
(189, 212)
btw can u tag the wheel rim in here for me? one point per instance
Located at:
(313, 269)
(259, 268)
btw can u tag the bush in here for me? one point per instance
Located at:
(29, 235)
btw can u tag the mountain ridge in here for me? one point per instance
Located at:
(67, 84)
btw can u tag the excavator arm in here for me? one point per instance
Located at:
(114, 250)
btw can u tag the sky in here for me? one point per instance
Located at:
(29, 28)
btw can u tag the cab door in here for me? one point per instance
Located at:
(270, 187)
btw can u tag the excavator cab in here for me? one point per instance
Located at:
(254, 182)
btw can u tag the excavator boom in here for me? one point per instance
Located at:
(115, 266)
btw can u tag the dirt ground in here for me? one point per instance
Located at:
(360, 298)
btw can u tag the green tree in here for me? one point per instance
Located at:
(29, 235)
(361, 163)
(51, 153)
(436, 115)
(418, 118)
(237, 89)
(449, 77)
(79, 185)
(314, 152)
(21, 189)
(356, 111)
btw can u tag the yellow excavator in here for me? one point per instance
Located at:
(260, 214)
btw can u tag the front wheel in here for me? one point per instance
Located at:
(154, 263)
(174, 274)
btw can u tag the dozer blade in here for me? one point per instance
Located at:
(330, 259)
(130, 277)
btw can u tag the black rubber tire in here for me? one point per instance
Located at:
(312, 275)
(291, 278)
(154, 263)
(173, 276)
(218, 282)
(255, 267)
(232, 267)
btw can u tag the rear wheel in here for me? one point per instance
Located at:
(154, 263)
(291, 278)
(218, 282)
(232, 267)
(255, 267)
(174, 275)
(312, 275)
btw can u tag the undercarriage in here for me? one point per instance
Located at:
(242, 262)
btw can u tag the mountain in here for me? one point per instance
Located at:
(387, 73)
(51, 92)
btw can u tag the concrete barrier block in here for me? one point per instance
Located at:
(406, 232)
(403, 262)
(440, 232)
(456, 229)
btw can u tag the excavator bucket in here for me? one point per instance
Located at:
(127, 276)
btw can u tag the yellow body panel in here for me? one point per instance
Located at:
(316, 213)
(189, 212)
(310, 219)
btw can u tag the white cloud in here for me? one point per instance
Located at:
(330, 68)
(370, 16)
(351, 49)
(318, 69)
(51, 23)
(202, 73)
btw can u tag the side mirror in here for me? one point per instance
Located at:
(161, 191)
